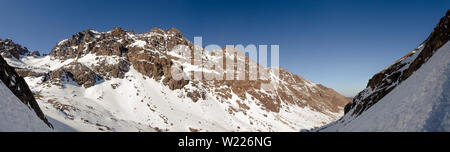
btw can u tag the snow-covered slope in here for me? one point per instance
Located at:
(410, 95)
(16, 116)
(420, 103)
(140, 103)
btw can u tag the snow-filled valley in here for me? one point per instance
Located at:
(139, 103)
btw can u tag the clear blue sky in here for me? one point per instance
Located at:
(339, 44)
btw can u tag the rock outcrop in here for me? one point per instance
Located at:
(144, 51)
(77, 72)
(10, 49)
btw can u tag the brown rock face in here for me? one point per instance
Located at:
(76, 72)
(70, 48)
(111, 70)
(292, 90)
(35, 53)
(90, 41)
(9, 49)
(437, 38)
(118, 32)
(385, 81)
(28, 73)
(20, 88)
(117, 43)
(150, 64)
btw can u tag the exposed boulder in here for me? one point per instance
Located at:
(77, 72)
(28, 73)
(174, 84)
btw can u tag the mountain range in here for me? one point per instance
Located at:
(119, 80)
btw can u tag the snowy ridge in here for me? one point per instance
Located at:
(417, 79)
(385, 81)
(401, 65)
(427, 109)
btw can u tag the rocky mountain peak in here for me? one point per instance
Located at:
(156, 30)
(168, 33)
(118, 32)
(10, 49)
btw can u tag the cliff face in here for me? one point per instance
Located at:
(385, 81)
(20, 88)
(10, 49)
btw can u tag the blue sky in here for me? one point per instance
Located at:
(339, 44)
